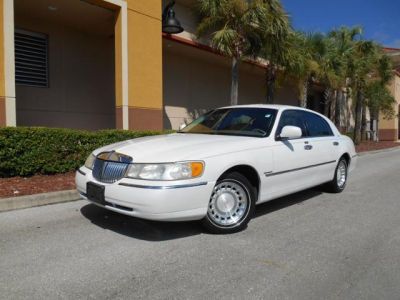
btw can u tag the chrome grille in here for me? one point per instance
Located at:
(109, 171)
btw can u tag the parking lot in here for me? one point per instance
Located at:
(311, 245)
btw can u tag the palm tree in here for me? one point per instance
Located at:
(361, 66)
(235, 28)
(343, 41)
(276, 38)
(305, 61)
(378, 97)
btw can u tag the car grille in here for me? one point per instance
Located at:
(109, 171)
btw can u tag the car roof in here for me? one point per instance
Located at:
(271, 106)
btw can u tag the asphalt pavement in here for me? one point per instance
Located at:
(310, 245)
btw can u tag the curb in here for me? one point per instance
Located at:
(378, 151)
(28, 201)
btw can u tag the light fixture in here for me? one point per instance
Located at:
(52, 8)
(170, 24)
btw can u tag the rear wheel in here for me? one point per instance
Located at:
(231, 205)
(339, 180)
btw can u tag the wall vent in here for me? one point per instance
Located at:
(31, 59)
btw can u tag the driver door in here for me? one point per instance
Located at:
(291, 158)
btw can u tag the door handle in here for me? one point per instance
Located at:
(307, 147)
(335, 143)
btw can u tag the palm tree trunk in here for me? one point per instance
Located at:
(327, 97)
(377, 116)
(364, 123)
(235, 81)
(304, 94)
(271, 78)
(374, 129)
(338, 106)
(358, 116)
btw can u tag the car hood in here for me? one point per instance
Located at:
(180, 146)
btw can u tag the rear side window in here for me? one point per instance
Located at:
(316, 126)
(292, 118)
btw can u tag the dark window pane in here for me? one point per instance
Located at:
(317, 126)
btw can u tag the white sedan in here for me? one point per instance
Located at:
(219, 167)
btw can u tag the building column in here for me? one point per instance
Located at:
(121, 69)
(145, 65)
(7, 65)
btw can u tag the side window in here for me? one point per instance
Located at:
(292, 118)
(317, 126)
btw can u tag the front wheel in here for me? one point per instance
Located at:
(339, 180)
(231, 205)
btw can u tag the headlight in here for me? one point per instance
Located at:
(169, 171)
(90, 161)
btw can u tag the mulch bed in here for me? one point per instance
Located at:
(19, 186)
(371, 146)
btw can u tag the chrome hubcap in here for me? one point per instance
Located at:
(341, 174)
(228, 203)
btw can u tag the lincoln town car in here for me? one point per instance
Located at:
(218, 168)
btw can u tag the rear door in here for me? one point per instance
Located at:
(324, 145)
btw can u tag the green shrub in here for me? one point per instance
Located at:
(26, 151)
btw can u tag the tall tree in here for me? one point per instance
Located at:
(378, 97)
(305, 60)
(276, 34)
(343, 41)
(361, 68)
(235, 28)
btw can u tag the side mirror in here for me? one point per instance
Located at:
(290, 132)
(183, 125)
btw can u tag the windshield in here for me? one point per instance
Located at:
(241, 121)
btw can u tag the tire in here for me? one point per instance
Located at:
(339, 181)
(231, 205)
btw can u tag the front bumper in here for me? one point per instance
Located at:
(165, 201)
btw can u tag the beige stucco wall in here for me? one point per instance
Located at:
(389, 129)
(2, 78)
(395, 90)
(196, 81)
(82, 88)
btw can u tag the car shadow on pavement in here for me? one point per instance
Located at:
(286, 201)
(163, 231)
(138, 228)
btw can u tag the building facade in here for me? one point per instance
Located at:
(96, 64)
(82, 64)
(389, 129)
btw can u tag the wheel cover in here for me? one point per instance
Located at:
(341, 174)
(228, 203)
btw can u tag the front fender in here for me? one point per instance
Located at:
(260, 160)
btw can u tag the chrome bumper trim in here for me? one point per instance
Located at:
(163, 187)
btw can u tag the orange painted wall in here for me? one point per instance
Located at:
(145, 54)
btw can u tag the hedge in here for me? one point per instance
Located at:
(26, 151)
